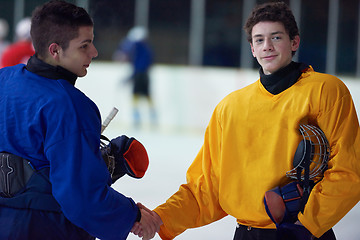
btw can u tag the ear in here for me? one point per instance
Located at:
(295, 43)
(54, 50)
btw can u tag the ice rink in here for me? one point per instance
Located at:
(184, 99)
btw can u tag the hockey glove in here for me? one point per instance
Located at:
(283, 204)
(293, 231)
(130, 157)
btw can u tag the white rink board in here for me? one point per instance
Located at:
(184, 98)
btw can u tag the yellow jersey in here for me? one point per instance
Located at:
(248, 147)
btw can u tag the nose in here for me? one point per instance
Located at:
(94, 52)
(268, 45)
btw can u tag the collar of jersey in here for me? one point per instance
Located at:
(37, 66)
(282, 79)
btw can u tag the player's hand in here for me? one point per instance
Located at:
(136, 229)
(149, 224)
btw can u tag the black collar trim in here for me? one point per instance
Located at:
(37, 66)
(282, 79)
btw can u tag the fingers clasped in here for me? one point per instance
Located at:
(149, 223)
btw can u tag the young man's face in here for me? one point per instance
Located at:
(271, 45)
(81, 50)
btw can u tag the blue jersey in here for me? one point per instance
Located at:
(139, 54)
(54, 125)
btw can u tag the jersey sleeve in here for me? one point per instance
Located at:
(339, 191)
(81, 186)
(196, 203)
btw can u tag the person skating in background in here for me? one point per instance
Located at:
(136, 50)
(4, 30)
(22, 49)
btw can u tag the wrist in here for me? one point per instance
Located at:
(158, 218)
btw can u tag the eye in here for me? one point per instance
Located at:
(84, 46)
(276, 38)
(258, 40)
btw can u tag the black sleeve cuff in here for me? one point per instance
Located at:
(138, 218)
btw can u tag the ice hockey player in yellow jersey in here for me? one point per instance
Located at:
(252, 136)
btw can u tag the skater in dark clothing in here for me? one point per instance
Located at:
(136, 50)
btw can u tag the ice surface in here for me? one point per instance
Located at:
(184, 100)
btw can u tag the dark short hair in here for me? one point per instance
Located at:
(56, 22)
(273, 12)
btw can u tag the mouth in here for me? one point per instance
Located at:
(271, 57)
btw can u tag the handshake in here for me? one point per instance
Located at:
(149, 224)
(124, 155)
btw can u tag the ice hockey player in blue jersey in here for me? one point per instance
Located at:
(54, 182)
(136, 50)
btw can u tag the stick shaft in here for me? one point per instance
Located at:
(108, 119)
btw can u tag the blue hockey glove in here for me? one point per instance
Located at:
(125, 155)
(130, 157)
(293, 231)
(283, 204)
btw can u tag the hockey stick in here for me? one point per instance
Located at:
(110, 117)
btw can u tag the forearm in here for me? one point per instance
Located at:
(323, 210)
(84, 194)
(187, 209)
